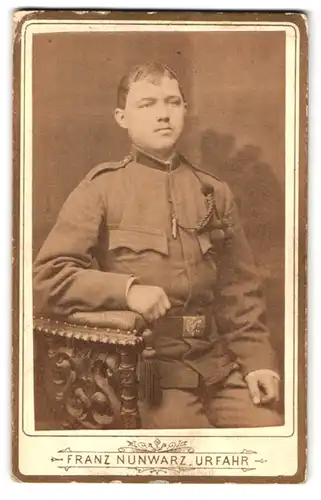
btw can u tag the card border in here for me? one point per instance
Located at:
(300, 20)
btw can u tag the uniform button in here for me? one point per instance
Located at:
(218, 224)
(217, 235)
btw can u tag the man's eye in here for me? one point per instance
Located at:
(175, 102)
(146, 105)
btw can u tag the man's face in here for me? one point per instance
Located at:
(154, 114)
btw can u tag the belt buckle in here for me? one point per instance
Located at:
(194, 326)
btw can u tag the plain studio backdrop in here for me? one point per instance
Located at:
(235, 86)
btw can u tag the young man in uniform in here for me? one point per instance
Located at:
(170, 247)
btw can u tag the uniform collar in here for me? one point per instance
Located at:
(149, 160)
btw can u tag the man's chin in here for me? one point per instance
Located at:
(163, 152)
(159, 148)
(164, 146)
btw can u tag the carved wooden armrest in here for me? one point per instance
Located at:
(86, 366)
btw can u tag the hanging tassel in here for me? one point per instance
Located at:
(149, 381)
(174, 226)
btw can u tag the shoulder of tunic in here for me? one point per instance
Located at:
(202, 171)
(111, 166)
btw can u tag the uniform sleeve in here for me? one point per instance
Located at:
(64, 280)
(239, 304)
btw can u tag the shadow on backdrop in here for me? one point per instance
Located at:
(260, 200)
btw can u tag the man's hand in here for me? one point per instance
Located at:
(263, 386)
(149, 301)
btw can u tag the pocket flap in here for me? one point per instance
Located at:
(138, 240)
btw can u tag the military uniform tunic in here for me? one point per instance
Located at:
(118, 225)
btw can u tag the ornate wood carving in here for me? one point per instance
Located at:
(88, 376)
(128, 385)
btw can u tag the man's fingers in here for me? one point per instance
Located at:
(277, 389)
(254, 389)
(156, 312)
(161, 310)
(148, 317)
(166, 302)
(269, 388)
(150, 301)
(150, 314)
(161, 306)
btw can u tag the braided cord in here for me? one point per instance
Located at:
(209, 214)
(203, 222)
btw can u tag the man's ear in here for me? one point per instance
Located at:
(120, 117)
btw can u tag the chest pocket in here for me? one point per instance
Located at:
(138, 240)
(139, 251)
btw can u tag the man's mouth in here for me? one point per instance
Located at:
(164, 129)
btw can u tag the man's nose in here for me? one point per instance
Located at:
(162, 111)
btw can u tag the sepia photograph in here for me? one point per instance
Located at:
(161, 181)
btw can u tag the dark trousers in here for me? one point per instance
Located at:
(228, 406)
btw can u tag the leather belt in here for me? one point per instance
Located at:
(198, 326)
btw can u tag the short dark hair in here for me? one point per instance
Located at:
(152, 71)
